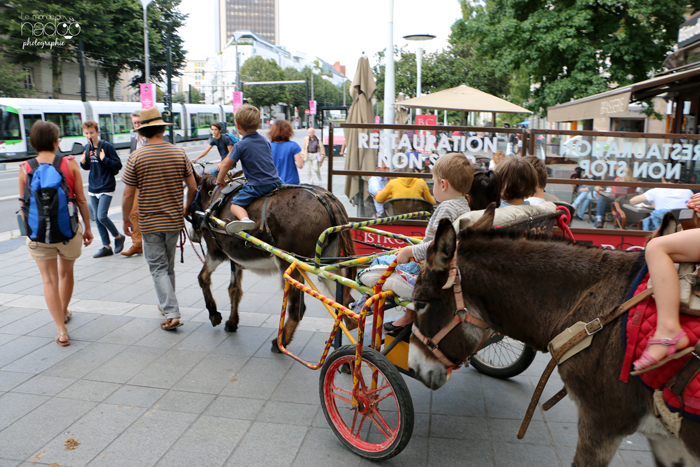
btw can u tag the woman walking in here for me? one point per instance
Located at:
(55, 260)
(285, 153)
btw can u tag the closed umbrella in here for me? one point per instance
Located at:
(363, 88)
(401, 111)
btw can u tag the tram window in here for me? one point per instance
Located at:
(193, 124)
(122, 123)
(28, 122)
(230, 120)
(70, 124)
(205, 120)
(9, 125)
(175, 119)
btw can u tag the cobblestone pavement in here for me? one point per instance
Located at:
(134, 395)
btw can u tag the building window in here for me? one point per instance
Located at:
(627, 124)
(28, 78)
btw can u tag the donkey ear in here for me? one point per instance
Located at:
(442, 249)
(669, 225)
(485, 222)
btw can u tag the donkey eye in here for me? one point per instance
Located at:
(420, 307)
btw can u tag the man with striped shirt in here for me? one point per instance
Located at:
(157, 170)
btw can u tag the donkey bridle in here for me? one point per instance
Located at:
(454, 280)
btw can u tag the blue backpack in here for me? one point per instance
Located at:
(233, 139)
(49, 210)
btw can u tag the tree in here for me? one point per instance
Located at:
(112, 33)
(572, 48)
(195, 96)
(261, 69)
(11, 79)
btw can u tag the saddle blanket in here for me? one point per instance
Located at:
(640, 323)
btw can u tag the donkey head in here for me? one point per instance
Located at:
(435, 306)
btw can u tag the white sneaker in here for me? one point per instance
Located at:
(234, 227)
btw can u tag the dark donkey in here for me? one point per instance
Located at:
(531, 289)
(295, 217)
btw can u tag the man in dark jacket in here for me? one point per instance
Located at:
(101, 159)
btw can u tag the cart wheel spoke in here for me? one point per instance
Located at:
(336, 391)
(381, 424)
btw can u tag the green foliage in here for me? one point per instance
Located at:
(572, 48)
(261, 69)
(179, 98)
(196, 96)
(11, 79)
(111, 30)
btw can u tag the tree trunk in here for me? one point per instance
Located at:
(57, 71)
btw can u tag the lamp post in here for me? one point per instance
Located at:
(147, 68)
(419, 59)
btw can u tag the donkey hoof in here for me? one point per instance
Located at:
(215, 318)
(231, 327)
(275, 348)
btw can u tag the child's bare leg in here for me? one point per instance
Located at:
(660, 254)
(243, 222)
(407, 318)
(239, 211)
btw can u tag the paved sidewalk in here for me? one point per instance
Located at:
(134, 395)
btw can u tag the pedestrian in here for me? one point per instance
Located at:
(101, 160)
(137, 141)
(375, 185)
(223, 143)
(285, 153)
(313, 153)
(256, 160)
(56, 260)
(158, 170)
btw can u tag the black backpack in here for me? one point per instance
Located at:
(50, 215)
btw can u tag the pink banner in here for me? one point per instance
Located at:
(377, 120)
(148, 95)
(312, 107)
(237, 100)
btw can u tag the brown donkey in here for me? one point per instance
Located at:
(295, 217)
(531, 289)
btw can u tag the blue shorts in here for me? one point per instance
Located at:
(249, 193)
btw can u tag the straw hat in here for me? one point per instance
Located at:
(152, 117)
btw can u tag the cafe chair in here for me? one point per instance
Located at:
(398, 206)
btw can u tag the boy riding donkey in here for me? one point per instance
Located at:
(255, 155)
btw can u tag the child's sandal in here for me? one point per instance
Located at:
(647, 363)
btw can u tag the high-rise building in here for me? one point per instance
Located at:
(258, 16)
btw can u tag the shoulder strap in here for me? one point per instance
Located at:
(33, 164)
(57, 162)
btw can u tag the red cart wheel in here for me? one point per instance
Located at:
(382, 424)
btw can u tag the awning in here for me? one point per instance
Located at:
(616, 102)
(464, 99)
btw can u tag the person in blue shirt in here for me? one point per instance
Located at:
(256, 160)
(286, 154)
(101, 159)
(375, 185)
(222, 142)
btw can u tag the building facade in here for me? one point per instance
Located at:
(38, 78)
(258, 16)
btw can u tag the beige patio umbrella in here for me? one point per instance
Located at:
(464, 98)
(401, 111)
(363, 88)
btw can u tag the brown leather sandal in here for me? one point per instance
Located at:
(169, 325)
(65, 343)
(67, 316)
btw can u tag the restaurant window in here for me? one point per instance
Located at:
(627, 124)
(692, 56)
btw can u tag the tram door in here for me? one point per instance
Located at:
(29, 120)
(106, 132)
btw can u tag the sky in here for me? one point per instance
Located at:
(335, 30)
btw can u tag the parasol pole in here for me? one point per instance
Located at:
(389, 85)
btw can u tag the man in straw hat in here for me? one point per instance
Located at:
(157, 170)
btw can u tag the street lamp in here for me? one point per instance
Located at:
(147, 68)
(419, 58)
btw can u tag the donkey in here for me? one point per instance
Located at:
(294, 219)
(531, 289)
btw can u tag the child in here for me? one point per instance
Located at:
(519, 181)
(660, 254)
(486, 189)
(405, 187)
(541, 169)
(258, 166)
(453, 174)
(101, 159)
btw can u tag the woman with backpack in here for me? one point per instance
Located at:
(62, 242)
(101, 159)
